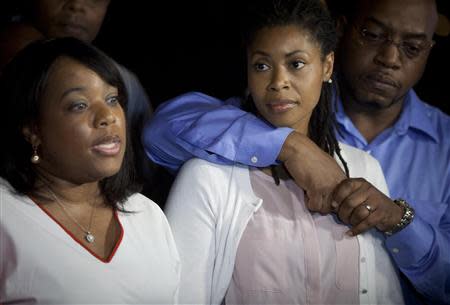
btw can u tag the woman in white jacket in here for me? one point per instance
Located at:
(245, 235)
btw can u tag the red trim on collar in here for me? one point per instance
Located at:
(113, 252)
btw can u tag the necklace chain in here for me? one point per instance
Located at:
(89, 237)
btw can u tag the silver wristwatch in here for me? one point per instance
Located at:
(407, 218)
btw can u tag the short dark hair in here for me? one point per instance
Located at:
(22, 84)
(314, 17)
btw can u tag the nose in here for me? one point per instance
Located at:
(104, 116)
(279, 80)
(388, 55)
(76, 5)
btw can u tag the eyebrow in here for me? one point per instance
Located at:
(413, 35)
(69, 91)
(258, 52)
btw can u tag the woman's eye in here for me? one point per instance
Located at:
(78, 106)
(113, 100)
(297, 64)
(261, 67)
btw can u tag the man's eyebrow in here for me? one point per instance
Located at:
(410, 35)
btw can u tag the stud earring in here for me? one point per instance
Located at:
(35, 159)
(330, 81)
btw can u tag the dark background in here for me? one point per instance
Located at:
(175, 47)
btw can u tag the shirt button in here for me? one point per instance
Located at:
(254, 159)
(363, 291)
(363, 259)
(395, 250)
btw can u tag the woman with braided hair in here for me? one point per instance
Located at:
(245, 234)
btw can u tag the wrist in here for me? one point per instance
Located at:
(406, 219)
(291, 146)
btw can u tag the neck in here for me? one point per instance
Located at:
(371, 121)
(69, 192)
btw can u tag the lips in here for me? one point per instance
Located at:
(72, 28)
(107, 146)
(281, 105)
(382, 80)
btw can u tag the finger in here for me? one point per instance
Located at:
(347, 187)
(327, 206)
(343, 190)
(313, 201)
(349, 204)
(360, 213)
(318, 203)
(368, 223)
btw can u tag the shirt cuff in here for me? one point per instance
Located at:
(409, 246)
(263, 147)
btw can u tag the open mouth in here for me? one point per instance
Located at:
(108, 146)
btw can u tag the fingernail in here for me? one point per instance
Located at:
(334, 204)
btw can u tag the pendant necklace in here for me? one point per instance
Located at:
(89, 237)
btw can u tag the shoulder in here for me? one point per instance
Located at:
(440, 120)
(208, 186)
(13, 204)
(7, 192)
(431, 119)
(435, 113)
(145, 214)
(138, 203)
(199, 169)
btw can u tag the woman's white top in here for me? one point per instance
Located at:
(209, 207)
(40, 263)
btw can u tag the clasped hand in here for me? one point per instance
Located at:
(361, 205)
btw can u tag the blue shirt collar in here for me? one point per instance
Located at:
(415, 115)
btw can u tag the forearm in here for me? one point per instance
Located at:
(196, 125)
(422, 253)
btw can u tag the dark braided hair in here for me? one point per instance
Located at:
(312, 16)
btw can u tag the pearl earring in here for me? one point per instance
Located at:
(35, 159)
(330, 81)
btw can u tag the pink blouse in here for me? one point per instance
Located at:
(288, 255)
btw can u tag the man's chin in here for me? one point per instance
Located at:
(376, 104)
(375, 100)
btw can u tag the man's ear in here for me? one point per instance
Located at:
(31, 135)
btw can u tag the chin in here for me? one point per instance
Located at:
(105, 171)
(374, 100)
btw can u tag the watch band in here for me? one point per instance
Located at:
(407, 218)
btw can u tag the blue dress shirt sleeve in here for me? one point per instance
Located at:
(197, 125)
(422, 251)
